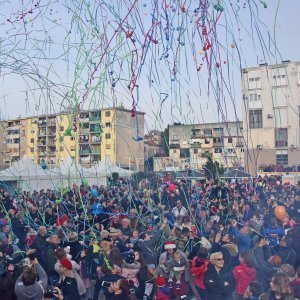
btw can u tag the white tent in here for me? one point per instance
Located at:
(27, 176)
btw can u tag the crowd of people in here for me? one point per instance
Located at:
(278, 168)
(205, 240)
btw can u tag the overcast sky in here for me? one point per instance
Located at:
(46, 62)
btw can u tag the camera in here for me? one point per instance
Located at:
(50, 292)
(106, 284)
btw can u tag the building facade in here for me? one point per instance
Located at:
(89, 137)
(271, 96)
(189, 145)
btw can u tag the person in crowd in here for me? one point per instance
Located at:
(244, 273)
(253, 291)
(32, 283)
(280, 288)
(122, 290)
(218, 281)
(131, 268)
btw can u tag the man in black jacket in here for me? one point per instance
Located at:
(219, 281)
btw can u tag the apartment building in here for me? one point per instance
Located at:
(100, 134)
(271, 97)
(189, 145)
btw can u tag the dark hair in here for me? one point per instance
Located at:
(126, 286)
(248, 258)
(60, 253)
(116, 257)
(185, 230)
(143, 235)
(29, 276)
(202, 253)
(298, 271)
(256, 288)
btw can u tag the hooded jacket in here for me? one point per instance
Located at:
(129, 271)
(198, 270)
(243, 276)
(215, 284)
(34, 291)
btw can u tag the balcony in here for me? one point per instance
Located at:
(174, 146)
(51, 153)
(95, 139)
(95, 119)
(239, 144)
(206, 146)
(84, 141)
(84, 130)
(195, 145)
(42, 133)
(84, 151)
(42, 123)
(95, 151)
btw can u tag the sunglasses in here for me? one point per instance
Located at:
(219, 259)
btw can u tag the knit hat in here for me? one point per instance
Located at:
(170, 245)
(66, 263)
(161, 281)
(129, 257)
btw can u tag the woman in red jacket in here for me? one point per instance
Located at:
(198, 269)
(244, 273)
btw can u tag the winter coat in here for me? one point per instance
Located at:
(296, 287)
(69, 289)
(109, 278)
(162, 293)
(287, 255)
(243, 276)
(129, 271)
(34, 291)
(198, 270)
(75, 249)
(269, 295)
(40, 245)
(79, 282)
(230, 254)
(147, 248)
(244, 240)
(214, 284)
(273, 234)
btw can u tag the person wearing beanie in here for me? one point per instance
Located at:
(63, 261)
(163, 291)
(68, 284)
(130, 268)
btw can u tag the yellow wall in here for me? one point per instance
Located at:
(108, 143)
(31, 133)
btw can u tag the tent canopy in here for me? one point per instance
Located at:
(230, 174)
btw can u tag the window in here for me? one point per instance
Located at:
(217, 140)
(242, 150)
(282, 159)
(230, 140)
(107, 136)
(73, 138)
(107, 114)
(72, 149)
(107, 124)
(255, 97)
(61, 128)
(61, 148)
(174, 136)
(281, 137)
(218, 150)
(31, 141)
(107, 147)
(255, 118)
(32, 131)
(31, 150)
(174, 151)
(195, 151)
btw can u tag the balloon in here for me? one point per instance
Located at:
(85, 183)
(94, 193)
(280, 212)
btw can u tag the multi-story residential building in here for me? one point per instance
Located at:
(153, 144)
(271, 95)
(189, 145)
(100, 134)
